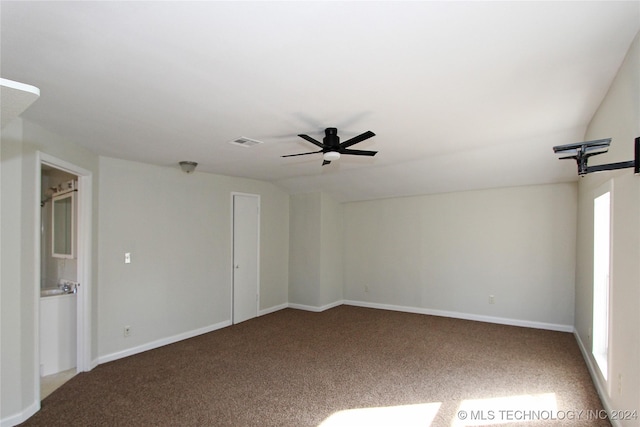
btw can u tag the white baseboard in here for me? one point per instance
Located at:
(418, 310)
(179, 337)
(93, 364)
(465, 316)
(441, 313)
(601, 388)
(315, 308)
(273, 309)
(19, 418)
(162, 342)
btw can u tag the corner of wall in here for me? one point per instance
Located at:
(616, 117)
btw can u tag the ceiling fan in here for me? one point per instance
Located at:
(332, 148)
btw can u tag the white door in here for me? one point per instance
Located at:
(246, 250)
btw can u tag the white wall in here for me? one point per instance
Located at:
(331, 251)
(11, 339)
(177, 228)
(316, 251)
(20, 140)
(617, 117)
(305, 249)
(449, 252)
(151, 211)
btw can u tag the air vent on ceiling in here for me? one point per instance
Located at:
(245, 142)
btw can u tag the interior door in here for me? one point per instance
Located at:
(246, 251)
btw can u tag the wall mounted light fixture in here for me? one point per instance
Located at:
(187, 166)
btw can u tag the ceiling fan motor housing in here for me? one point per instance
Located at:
(331, 138)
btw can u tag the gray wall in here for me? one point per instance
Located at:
(331, 251)
(617, 117)
(305, 249)
(15, 374)
(316, 244)
(177, 228)
(20, 274)
(449, 252)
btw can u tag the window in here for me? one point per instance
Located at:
(601, 276)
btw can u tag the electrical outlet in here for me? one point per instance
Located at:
(619, 383)
(127, 331)
(127, 258)
(492, 299)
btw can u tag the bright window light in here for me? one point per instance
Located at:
(601, 264)
(418, 415)
(506, 410)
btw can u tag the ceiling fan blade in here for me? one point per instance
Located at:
(348, 143)
(302, 154)
(311, 140)
(358, 152)
(326, 162)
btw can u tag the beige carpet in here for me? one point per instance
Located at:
(345, 366)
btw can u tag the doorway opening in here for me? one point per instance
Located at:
(62, 265)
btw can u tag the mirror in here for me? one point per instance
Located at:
(63, 224)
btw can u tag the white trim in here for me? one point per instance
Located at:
(62, 165)
(22, 416)
(20, 86)
(466, 316)
(441, 313)
(37, 279)
(94, 363)
(68, 195)
(84, 225)
(316, 309)
(273, 309)
(594, 371)
(162, 342)
(85, 268)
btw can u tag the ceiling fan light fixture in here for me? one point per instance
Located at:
(331, 155)
(331, 147)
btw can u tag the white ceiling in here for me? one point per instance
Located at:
(461, 95)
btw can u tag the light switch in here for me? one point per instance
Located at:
(127, 258)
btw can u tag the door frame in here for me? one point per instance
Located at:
(257, 196)
(84, 253)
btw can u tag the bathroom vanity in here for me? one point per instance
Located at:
(57, 332)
